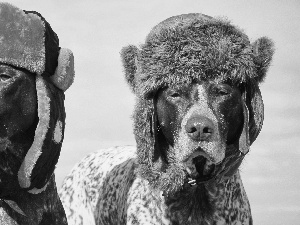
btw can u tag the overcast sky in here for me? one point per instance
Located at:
(99, 104)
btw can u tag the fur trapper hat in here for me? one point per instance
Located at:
(27, 41)
(190, 48)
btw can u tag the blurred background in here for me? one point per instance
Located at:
(99, 104)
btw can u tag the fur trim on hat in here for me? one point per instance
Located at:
(40, 160)
(22, 39)
(263, 50)
(27, 41)
(128, 56)
(40, 134)
(194, 47)
(64, 74)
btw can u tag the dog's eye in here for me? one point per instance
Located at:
(4, 77)
(222, 90)
(173, 94)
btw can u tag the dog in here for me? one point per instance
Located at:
(198, 110)
(34, 73)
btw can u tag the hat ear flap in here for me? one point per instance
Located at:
(129, 57)
(255, 107)
(64, 73)
(40, 160)
(145, 134)
(263, 50)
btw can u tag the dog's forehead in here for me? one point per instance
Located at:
(195, 88)
(204, 82)
(4, 67)
(201, 91)
(198, 90)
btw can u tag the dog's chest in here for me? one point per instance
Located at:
(146, 206)
(229, 201)
(116, 195)
(233, 206)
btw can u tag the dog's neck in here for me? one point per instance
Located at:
(33, 209)
(208, 202)
(12, 152)
(196, 202)
(19, 206)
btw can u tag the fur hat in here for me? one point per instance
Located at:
(190, 48)
(27, 41)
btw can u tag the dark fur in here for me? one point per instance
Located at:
(18, 115)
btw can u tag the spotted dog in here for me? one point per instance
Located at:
(198, 110)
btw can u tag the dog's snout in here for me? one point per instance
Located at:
(199, 128)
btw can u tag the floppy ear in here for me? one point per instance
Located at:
(253, 118)
(40, 160)
(255, 107)
(129, 59)
(263, 50)
(244, 141)
(155, 134)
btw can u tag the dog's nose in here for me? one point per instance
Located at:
(199, 128)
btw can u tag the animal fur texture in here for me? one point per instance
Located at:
(148, 184)
(104, 188)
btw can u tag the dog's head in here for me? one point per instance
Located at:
(199, 107)
(34, 73)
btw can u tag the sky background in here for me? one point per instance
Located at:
(99, 104)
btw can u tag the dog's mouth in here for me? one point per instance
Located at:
(199, 170)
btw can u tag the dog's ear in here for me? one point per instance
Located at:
(129, 56)
(156, 134)
(244, 141)
(255, 107)
(40, 160)
(263, 50)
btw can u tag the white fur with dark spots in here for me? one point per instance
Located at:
(105, 189)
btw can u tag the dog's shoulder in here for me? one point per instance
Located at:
(128, 199)
(104, 174)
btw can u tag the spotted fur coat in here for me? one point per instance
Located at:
(105, 189)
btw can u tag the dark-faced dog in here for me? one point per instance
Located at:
(18, 113)
(18, 123)
(34, 73)
(198, 110)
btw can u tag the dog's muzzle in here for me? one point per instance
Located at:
(206, 150)
(199, 168)
(199, 128)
